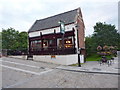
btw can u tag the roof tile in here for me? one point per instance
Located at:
(67, 17)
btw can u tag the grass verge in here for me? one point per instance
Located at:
(96, 57)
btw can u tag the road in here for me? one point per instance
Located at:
(18, 73)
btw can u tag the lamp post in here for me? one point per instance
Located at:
(78, 51)
(62, 30)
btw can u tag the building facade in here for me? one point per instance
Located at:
(45, 37)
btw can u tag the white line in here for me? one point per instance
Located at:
(27, 70)
(20, 64)
(20, 83)
(20, 70)
(45, 71)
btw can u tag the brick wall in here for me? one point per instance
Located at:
(81, 32)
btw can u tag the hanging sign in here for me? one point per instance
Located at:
(62, 27)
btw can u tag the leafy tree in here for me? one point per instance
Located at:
(9, 38)
(22, 40)
(0, 41)
(89, 44)
(104, 34)
(13, 40)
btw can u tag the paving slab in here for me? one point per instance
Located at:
(95, 67)
(26, 74)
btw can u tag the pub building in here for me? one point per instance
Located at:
(61, 34)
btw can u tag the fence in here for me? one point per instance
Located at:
(17, 52)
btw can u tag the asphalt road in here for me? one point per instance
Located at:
(18, 73)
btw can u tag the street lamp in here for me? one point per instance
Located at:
(78, 51)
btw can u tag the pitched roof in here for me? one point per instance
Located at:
(68, 17)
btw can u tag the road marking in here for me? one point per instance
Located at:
(29, 79)
(18, 69)
(20, 83)
(20, 64)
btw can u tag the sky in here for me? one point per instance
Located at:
(21, 14)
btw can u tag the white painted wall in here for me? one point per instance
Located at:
(60, 59)
(34, 34)
(48, 31)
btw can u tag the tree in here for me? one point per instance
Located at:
(22, 40)
(0, 44)
(106, 34)
(89, 44)
(9, 38)
(13, 40)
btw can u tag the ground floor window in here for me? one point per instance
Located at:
(47, 44)
(59, 43)
(36, 45)
(52, 43)
(68, 42)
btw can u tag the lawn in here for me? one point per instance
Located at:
(95, 57)
(76, 64)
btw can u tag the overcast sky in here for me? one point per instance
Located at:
(21, 14)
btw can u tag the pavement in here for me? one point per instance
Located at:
(19, 73)
(95, 67)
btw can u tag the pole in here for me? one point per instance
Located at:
(79, 65)
(63, 42)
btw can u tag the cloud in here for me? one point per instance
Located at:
(21, 14)
(100, 12)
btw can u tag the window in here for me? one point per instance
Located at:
(45, 44)
(68, 42)
(36, 45)
(59, 43)
(50, 42)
